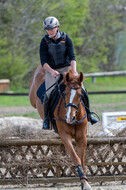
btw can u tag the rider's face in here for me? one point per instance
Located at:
(52, 31)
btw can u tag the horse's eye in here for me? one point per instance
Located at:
(79, 95)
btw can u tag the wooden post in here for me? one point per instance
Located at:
(94, 79)
(4, 85)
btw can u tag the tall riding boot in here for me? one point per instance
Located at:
(46, 114)
(90, 116)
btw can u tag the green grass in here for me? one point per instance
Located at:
(31, 114)
(8, 101)
(105, 84)
(17, 89)
(107, 102)
(107, 98)
(99, 103)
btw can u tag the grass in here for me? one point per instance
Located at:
(30, 114)
(8, 101)
(98, 102)
(105, 84)
(107, 98)
(102, 84)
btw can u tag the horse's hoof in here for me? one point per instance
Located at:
(83, 187)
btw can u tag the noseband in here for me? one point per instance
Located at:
(71, 105)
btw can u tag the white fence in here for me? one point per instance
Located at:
(105, 74)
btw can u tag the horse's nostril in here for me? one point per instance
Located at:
(73, 118)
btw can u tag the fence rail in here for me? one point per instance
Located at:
(42, 160)
(93, 75)
(105, 74)
(91, 93)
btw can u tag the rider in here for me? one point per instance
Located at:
(57, 56)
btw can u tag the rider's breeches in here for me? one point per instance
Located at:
(49, 80)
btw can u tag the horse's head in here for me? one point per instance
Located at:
(72, 96)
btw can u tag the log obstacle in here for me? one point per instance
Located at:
(44, 159)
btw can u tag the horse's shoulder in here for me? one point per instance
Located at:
(37, 79)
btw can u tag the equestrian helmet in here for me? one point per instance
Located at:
(50, 22)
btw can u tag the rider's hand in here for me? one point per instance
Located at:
(74, 72)
(54, 73)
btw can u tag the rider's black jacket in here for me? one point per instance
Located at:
(57, 53)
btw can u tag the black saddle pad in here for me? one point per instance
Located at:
(55, 96)
(41, 92)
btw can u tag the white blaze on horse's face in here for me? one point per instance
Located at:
(69, 118)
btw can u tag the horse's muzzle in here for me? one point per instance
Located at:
(71, 120)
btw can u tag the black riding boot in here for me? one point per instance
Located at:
(46, 114)
(90, 116)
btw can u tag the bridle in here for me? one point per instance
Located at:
(71, 105)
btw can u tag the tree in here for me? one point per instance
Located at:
(13, 64)
(93, 25)
(23, 26)
(102, 25)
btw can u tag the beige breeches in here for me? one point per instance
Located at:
(49, 80)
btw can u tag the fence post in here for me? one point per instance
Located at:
(94, 79)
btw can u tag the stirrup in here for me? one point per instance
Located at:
(93, 119)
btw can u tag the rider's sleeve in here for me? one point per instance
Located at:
(43, 52)
(70, 48)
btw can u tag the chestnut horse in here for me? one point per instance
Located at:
(70, 117)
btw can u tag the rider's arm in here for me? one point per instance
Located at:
(73, 66)
(71, 54)
(43, 52)
(50, 70)
(47, 68)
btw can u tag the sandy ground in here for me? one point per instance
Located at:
(106, 186)
(92, 131)
(15, 109)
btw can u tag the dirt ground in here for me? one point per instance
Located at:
(105, 186)
(15, 109)
(92, 131)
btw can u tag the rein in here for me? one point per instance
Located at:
(72, 105)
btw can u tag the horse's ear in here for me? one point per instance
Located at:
(81, 77)
(67, 77)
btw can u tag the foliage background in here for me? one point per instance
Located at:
(96, 27)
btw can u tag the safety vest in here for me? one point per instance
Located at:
(57, 54)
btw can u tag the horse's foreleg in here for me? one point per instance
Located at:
(67, 141)
(81, 142)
